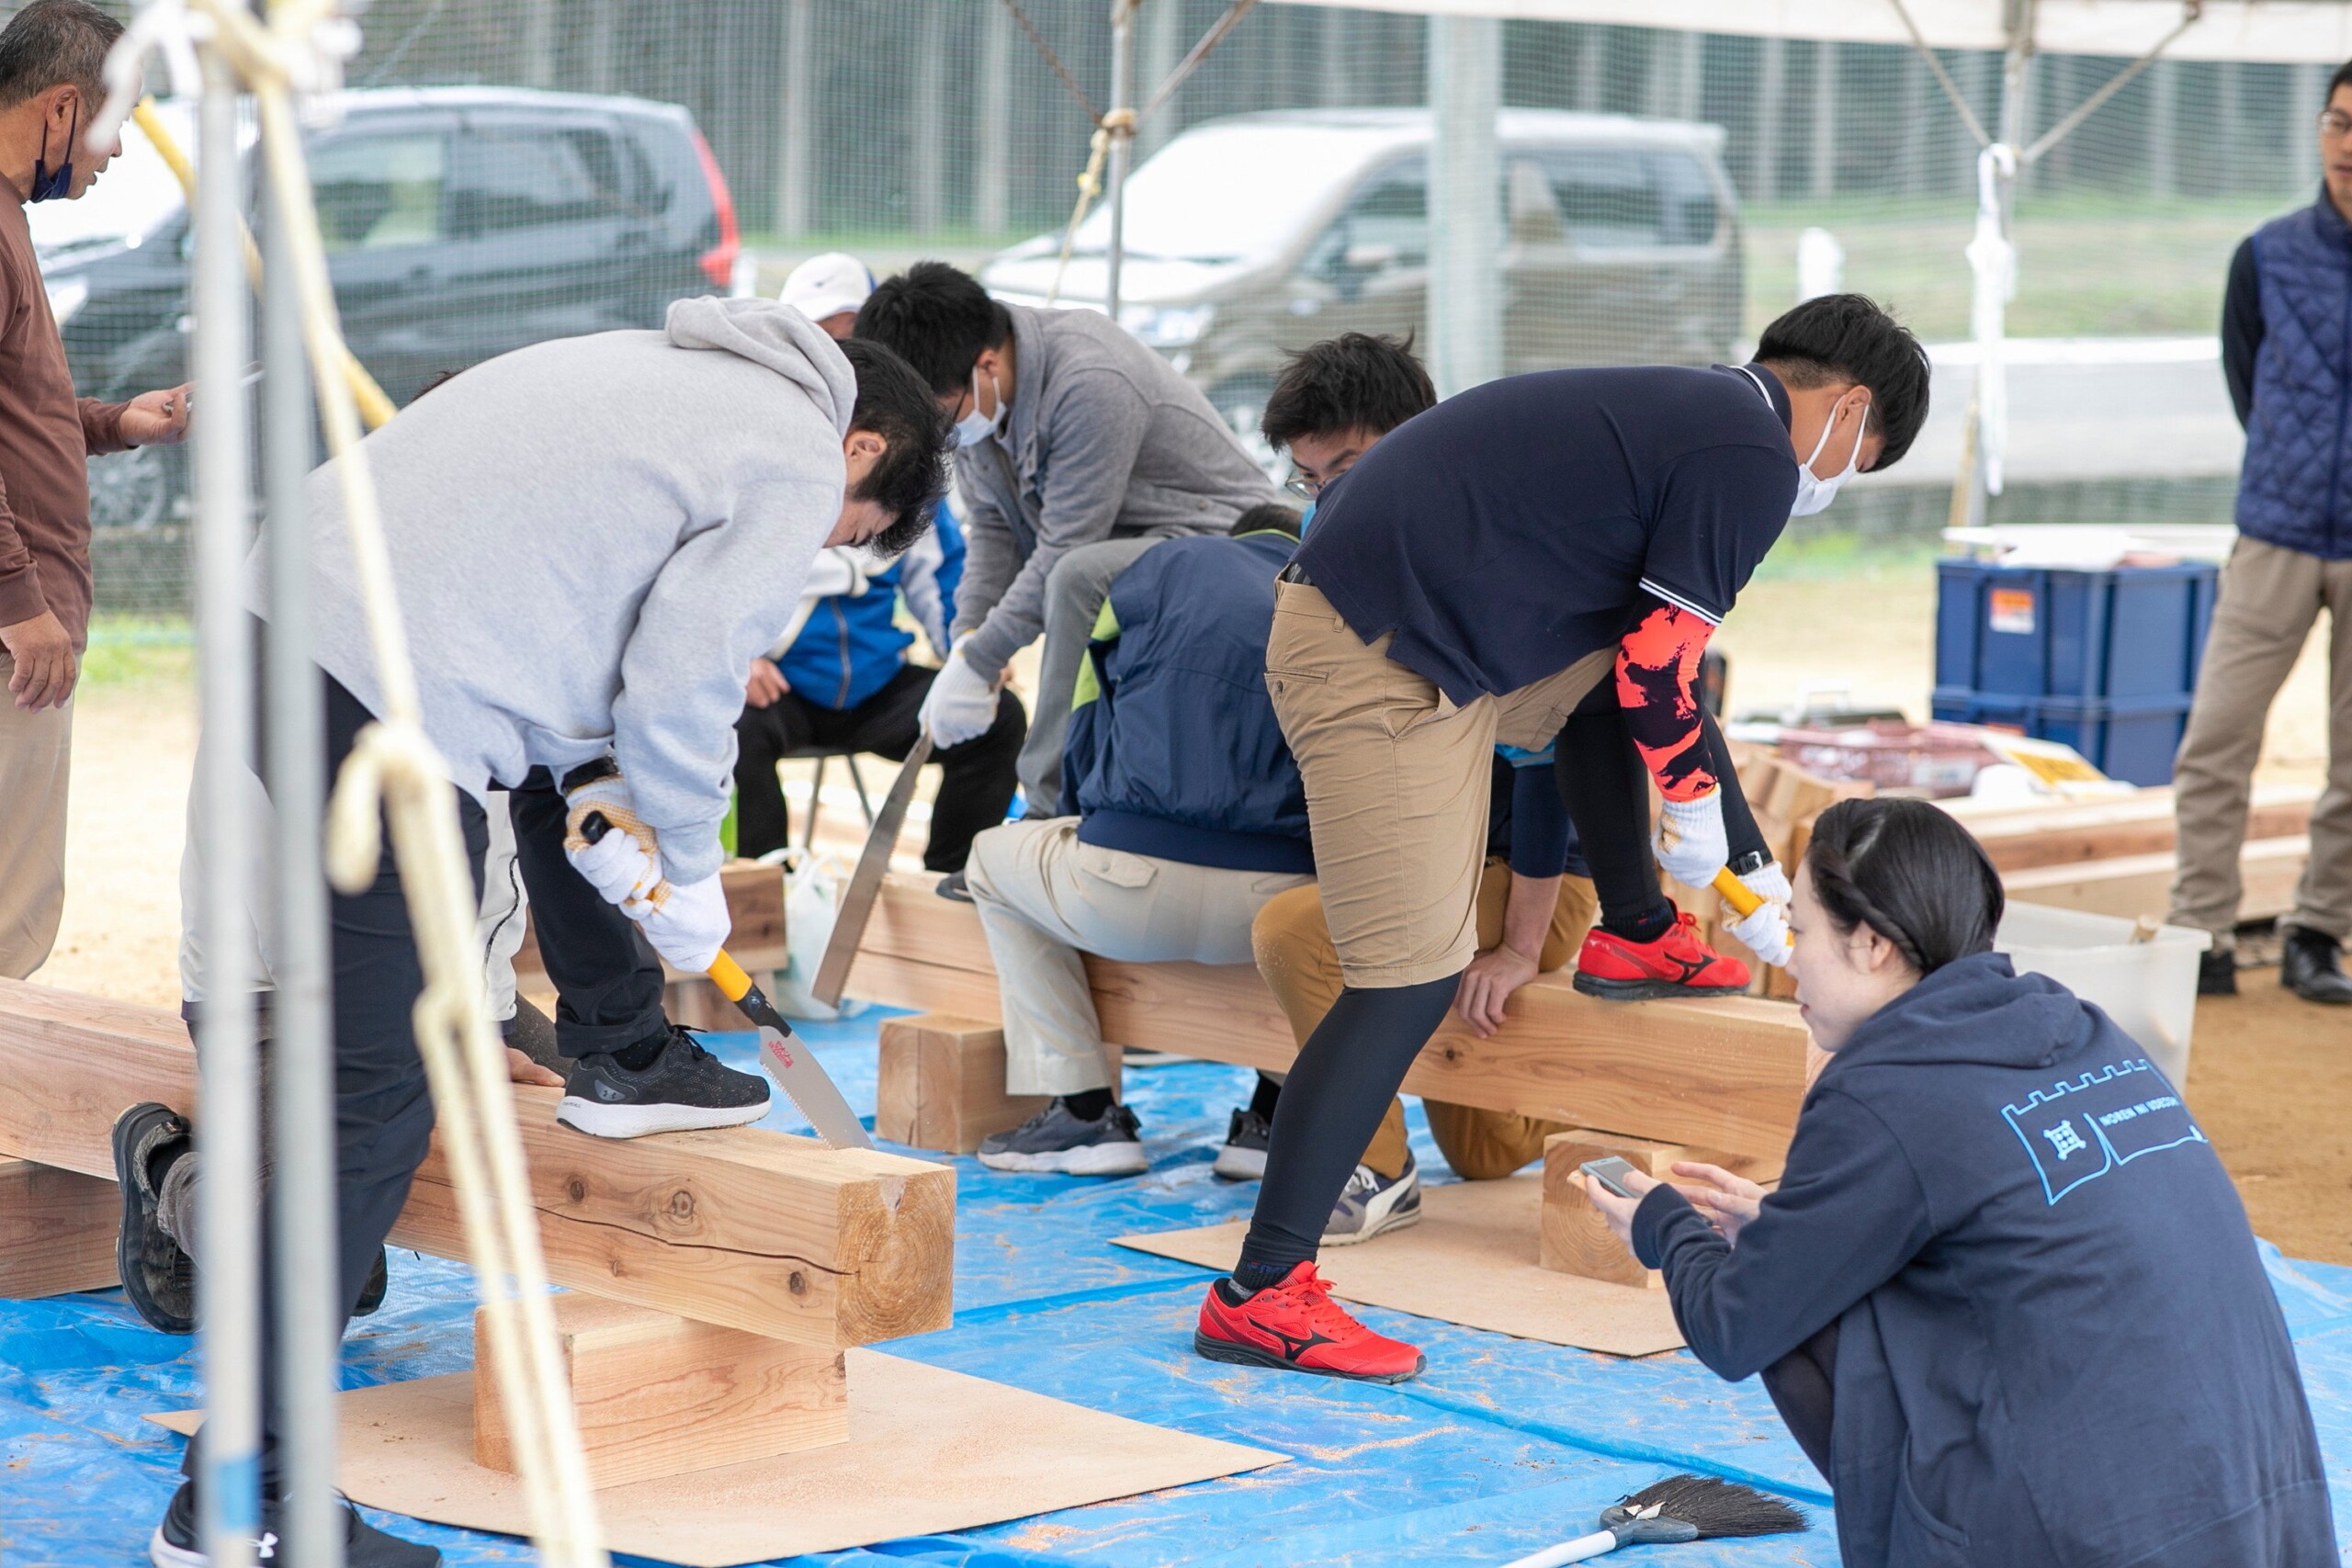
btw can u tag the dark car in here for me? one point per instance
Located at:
(459, 222)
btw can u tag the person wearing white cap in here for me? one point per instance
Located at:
(828, 289)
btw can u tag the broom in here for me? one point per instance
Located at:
(1679, 1508)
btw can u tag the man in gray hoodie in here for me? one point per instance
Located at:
(1080, 449)
(590, 539)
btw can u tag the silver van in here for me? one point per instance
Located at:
(1254, 234)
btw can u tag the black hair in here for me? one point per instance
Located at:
(912, 474)
(1267, 515)
(52, 43)
(1354, 381)
(939, 319)
(1847, 337)
(1909, 872)
(2343, 78)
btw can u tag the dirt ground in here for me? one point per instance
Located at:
(1816, 615)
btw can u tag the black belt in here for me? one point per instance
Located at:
(1293, 572)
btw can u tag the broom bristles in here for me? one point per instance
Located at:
(1713, 1505)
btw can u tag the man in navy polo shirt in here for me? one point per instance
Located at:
(1473, 578)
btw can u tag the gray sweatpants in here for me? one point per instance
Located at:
(2270, 599)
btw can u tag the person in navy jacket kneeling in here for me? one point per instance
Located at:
(2005, 1295)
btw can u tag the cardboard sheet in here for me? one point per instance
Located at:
(1472, 1261)
(930, 1452)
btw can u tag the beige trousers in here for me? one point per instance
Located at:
(1044, 898)
(36, 750)
(2270, 598)
(1302, 968)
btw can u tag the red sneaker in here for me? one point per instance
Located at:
(1676, 965)
(1294, 1325)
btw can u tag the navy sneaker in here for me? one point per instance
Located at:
(684, 1089)
(158, 1276)
(1242, 1156)
(1372, 1204)
(175, 1543)
(1057, 1140)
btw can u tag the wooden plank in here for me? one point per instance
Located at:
(755, 913)
(1725, 1074)
(2142, 884)
(658, 1395)
(2140, 824)
(1573, 1238)
(941, 1084)
(57, 1231)
(742, 1227)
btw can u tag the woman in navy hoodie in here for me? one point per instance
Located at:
(2005, 1296)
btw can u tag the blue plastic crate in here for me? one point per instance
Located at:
(2133, 741)
(2134, 631)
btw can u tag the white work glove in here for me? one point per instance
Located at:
(1689, 840)
(687, 923)
(1766, 932)
(961, 704)
(626, 862)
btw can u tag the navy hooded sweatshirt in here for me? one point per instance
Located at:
(2056, 1344)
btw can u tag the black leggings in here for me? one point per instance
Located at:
(1337, 1090)
(1607, 790)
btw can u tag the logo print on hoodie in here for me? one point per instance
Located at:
(2079, 1130)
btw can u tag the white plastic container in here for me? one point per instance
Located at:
(2148, 987)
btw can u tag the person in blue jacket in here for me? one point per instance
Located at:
(2005, 1295)
(1190, 816)
(839, 677)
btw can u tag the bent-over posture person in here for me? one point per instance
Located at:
(2005, 1295)
(591, 538)
(1469, 581)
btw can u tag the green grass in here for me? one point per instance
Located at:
(1833, 554)
(130, 651)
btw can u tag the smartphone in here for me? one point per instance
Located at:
(1611, 1173)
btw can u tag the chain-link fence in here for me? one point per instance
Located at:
(1659, 195)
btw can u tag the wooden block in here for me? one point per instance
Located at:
(941, 1084)
(741, 1227)
(1724, 1074)
(755, 940)
(2134, 886)
(1573, 1238)
(57, 1231)
(699, 1004)
(658, 1396)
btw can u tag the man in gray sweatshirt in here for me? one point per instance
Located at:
(590, 539)
(1079, 449)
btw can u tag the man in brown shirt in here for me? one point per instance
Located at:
(50, 88)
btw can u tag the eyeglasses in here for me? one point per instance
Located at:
(1302, 487)
(2334, 123)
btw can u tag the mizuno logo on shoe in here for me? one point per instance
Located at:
(1297, 1345)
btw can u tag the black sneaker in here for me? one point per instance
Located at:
(1056, 1140)
(1242, 1156)
(158, 1276)
(2311, 964)
(684, 1089)
(1372, 1204)
(372, 1294)
(2217, 973)
(532, 1032)
(175, 1543)
(953, 886)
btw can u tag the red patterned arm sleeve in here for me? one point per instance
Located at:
(1657, 687)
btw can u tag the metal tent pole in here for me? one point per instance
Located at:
(1465, 215)
(309, 1276)
(1122, 97)
(228, 1136)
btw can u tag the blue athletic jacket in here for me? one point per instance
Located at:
(851, 643)
(2056, 1344)
(1173, 749)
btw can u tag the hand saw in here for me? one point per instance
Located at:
(865, 883)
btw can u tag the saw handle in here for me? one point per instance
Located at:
(732, 980)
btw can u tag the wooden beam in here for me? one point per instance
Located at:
(1573, 1238)
(2063, 833)
(1724, 1074)
(755, 940)
(57, 1231)
(941, 1084)
(744, 1227)
(658, 1395)
(2134, 886)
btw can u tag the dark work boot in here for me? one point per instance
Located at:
(158, 1276)
(2217, 973)
(2313, 967)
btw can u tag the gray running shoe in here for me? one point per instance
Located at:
(1056, 1141)
(1372, 1203)
(684, 1089)
(1242, 1158)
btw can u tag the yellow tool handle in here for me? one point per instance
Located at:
(1738, 894)
(374, 406)
(730, 976)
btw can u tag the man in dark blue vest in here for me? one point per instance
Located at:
(2287, 350)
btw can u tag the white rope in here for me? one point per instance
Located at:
(395, 770)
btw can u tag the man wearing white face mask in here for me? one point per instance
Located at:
(1079, 449)
(1474, 578)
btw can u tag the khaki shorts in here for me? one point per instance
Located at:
(1397, 780)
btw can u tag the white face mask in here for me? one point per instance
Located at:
(1813, 493)
(976, 427)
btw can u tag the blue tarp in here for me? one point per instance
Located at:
(1501, 1447)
